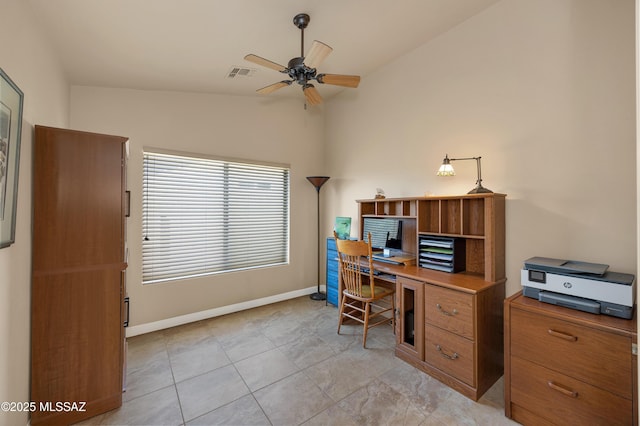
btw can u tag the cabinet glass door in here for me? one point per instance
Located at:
(410, 321)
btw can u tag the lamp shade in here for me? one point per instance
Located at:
(317, 181)
(446, 169)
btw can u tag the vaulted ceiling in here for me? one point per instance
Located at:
(193, 45)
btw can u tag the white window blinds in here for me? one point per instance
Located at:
(202, 216)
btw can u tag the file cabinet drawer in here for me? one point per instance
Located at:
(450, 310)
(571, 349)
(450, 353)
(564, 400)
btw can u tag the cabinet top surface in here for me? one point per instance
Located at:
(71, 132)
(584, 318)
(434, 197)
(461, 281)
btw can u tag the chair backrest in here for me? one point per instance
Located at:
(350, 254)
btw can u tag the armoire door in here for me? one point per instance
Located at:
(77, 287)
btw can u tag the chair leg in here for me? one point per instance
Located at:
(341, 312)
(366, 324)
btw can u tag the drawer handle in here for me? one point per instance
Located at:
(562, 335)
(452, 357)
(455, 311)
(562, 390)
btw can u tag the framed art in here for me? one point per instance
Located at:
(342, 227)
(11, 100)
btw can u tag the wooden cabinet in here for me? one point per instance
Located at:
(458, 338)
(568, 367)
(449, 325)
(332, 272)
(78, 287)
(463, 336)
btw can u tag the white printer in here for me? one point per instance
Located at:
(588, 287)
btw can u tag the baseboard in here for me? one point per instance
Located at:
(216, 312)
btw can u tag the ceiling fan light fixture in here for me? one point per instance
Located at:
(302, 69)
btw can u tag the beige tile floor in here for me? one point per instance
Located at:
(284, 364)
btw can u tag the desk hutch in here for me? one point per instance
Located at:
(450, 325)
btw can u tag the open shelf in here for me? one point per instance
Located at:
(429, 216)
(473, 216)
(478, 219)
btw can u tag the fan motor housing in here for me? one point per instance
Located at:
(298, 71)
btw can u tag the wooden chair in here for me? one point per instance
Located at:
(362, 300)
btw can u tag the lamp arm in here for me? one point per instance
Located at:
(466, 158)
(479, 181)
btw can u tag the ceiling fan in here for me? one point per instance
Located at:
(302, 69)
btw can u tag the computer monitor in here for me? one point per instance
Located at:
(385, 232)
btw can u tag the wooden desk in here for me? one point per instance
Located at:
(462, 281)
(448, 325)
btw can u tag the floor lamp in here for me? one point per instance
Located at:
(318, 181)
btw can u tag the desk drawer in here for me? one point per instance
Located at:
(450, 310)
(564, 400)
(450, 353)
(333, 265)
(596, 357)
(331, 244)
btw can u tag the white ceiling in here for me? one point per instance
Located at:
(191, 45)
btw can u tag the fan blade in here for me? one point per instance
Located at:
(312, 95)
(318, 52)
(265, 62)
(339, 80)
(273, 87)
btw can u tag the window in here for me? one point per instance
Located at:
(203, 216)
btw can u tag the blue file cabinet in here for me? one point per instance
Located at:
(332, 272)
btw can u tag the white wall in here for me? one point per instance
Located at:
(280, 131)
(29, 62)
(544, 91)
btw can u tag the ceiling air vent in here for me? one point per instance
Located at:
(240, 72)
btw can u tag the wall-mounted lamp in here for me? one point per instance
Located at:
(446, 169)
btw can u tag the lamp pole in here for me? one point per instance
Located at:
(317, 182)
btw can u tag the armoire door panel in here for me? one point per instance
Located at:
(76, 346)
(78, 187)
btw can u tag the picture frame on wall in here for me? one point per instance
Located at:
(11, 103)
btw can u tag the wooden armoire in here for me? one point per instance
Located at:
(78, 274)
